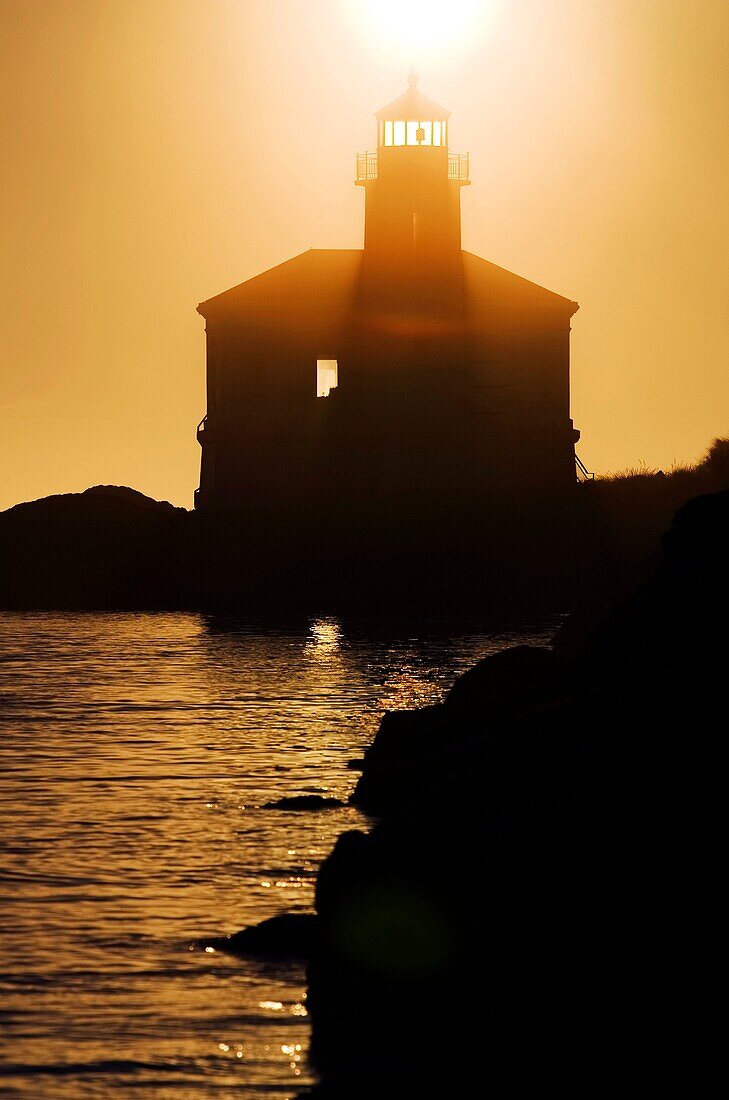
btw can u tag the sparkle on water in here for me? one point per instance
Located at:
(137, 751)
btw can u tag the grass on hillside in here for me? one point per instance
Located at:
(709, 474)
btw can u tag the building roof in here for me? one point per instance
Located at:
(413, 106)
(318, 277)
(482, 275)
(320, 284)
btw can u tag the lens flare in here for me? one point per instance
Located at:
(418, 30)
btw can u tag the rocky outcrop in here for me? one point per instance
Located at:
(538, 905)
(412, 747)
(109, 547)
(288, 935)
(304, 802)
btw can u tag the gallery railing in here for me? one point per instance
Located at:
(366, 167)
(459, 167)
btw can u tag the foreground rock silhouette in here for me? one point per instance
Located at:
(288, 935)
(539, 906)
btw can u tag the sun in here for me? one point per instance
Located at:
(418, 30)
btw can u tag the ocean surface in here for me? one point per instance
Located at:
(137, 751)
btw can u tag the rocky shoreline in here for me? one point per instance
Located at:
(536, 904)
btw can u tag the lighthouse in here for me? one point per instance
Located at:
(405, 378)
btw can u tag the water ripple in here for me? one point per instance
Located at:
(135, 753)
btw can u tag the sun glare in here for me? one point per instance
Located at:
(417, 30)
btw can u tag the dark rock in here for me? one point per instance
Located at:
(403, 734)
(506, 684)
(415, 750)
(400, 752)
(109, 547)
(290, 935)
(540, 908)
(675, 617)
(304, 802)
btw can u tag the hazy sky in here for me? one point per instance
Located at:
(156, 152)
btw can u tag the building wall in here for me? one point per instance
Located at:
(437, 409)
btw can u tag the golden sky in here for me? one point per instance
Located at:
(156, 152)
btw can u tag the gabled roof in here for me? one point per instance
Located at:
(413, 106)
(318, 286)
(478, 272)
(321, 275)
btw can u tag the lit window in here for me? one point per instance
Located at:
(412, 132)
(326, 376)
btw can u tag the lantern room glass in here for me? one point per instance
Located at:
(410, 132)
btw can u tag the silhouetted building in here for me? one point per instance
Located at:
(407, 375)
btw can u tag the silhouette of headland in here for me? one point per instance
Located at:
(107, 548)
(112, 548)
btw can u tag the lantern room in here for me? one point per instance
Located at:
(412, 119)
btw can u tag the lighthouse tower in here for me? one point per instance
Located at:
(412, 184)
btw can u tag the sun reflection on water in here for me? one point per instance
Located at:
(324, 640)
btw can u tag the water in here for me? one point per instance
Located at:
(136, 753)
